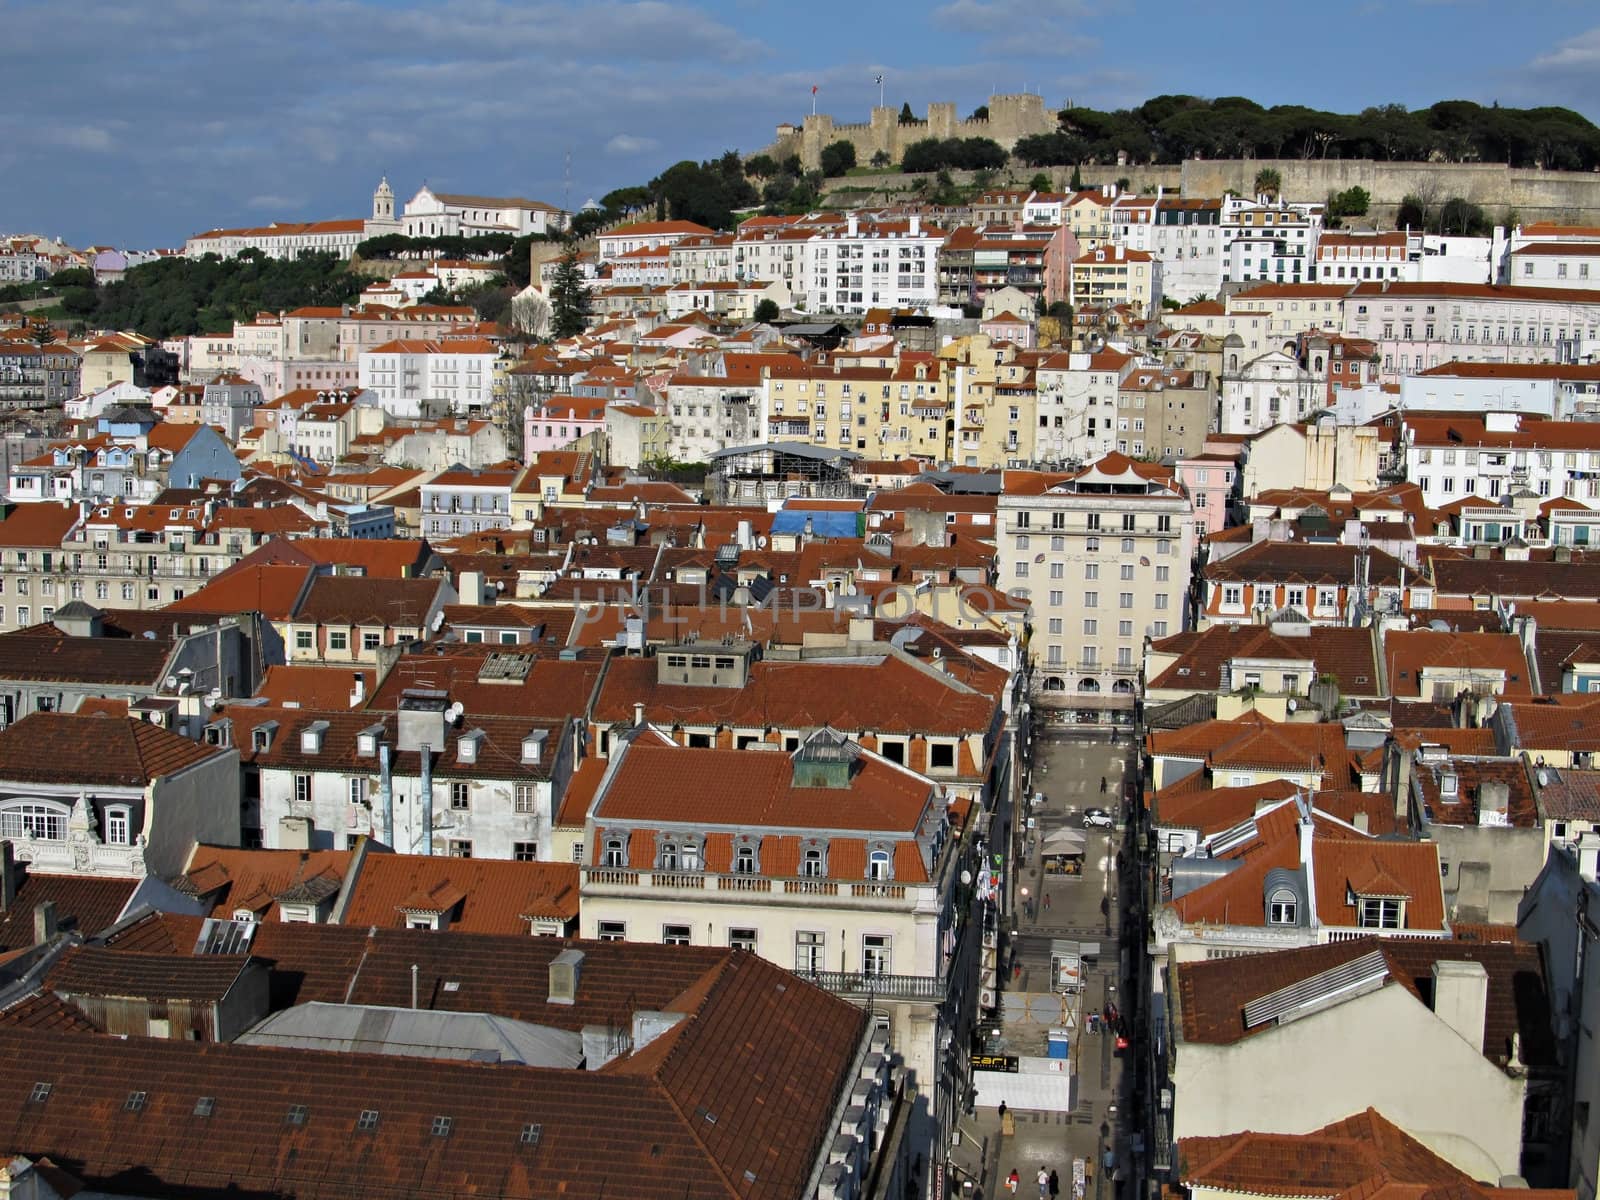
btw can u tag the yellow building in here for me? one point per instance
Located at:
(1112, 275)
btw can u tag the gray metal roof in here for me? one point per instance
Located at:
(796, 449)
(418, 1033)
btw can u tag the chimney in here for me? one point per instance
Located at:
(1587, 848)
(1461, 998)
(860, 629)
(44, 922)
(565, 970)
(8, 877)
(1362, 824)
(1308, 832)
(638, 714)
(916, 225)
(358, 688)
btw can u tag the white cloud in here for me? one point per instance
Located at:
(1011, 29)
(1581, 53)
(88, 137)
(626, 143)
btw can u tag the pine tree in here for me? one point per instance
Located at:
(569, 298)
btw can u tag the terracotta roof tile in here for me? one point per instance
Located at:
(53, 747)
(480, 895)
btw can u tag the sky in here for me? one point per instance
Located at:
(138, 123)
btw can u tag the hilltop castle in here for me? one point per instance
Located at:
(1010, 118)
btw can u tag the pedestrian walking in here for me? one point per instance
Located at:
(1002, 1111)
(1044, 1183)
(1047, 899)
(1055, 1184)
(1012, 1180)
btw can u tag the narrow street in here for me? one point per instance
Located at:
(1085, 905)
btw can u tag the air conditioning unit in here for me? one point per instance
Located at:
(991, 938)
(1166, 1099)
(986, 999)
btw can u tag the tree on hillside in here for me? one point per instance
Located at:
(981, 113)
(766, 310)
(837, 158)
(569, 297)
(1268, 182)
(762, 166)
(1039, 183)
(880, 158)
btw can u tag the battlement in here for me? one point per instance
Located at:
(1012, 117)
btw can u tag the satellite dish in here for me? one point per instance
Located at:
(453, 713)
(761, 542)
(438, 620)
(1293, 704)
(1038, 558)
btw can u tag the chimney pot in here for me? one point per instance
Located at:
(44, 922)
(1461, 998)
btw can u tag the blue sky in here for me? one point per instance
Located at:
(139, 122)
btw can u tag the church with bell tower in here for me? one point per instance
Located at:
(383, 218)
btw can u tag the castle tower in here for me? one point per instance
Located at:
(383, 202)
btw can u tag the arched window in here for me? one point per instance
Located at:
(1233, 362)
(613, 853)
(1054, 683)
(878, 865)
(811, 864)
(1123, 687)
(669, 856)
(1088, 685)
(47, 822)
(744, 860)
(119, 826)
(1283, 908)
(1317, 363)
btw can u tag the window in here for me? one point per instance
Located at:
(1091, 599)
(942, 756)
(525, 851)
(613, 856)
(371, 641)
(1091, 627)
(744, 860)
(1126, 572)
(811, 864)
(40, 1093)
(135, 1101)
(878, 865)
(742, 939)
(1282, 909)
(302, 639)
(1378, 914)
(808, 951)
(458, 796)
(295, 1115)
(117, 833)
(367, 1121)
(1091, 570)
(302, 789)
(1124, 599)
(338, 639)
(205, 1106)
(33, 821)
(525, 798)
(612, 931)
(875, 954)
(441, 1126)
(460, 849)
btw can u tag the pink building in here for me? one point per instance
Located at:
(560, 422)
(1209, 480)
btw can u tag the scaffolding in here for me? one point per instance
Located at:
(768, 471)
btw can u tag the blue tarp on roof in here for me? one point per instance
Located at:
(830, 523)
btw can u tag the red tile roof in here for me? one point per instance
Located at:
(1408, 652)
(233, 878)
(111, 751)
(83, 903)
(480, 895)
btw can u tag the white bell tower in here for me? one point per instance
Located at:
(383, 202)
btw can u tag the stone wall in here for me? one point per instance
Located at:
(1011, 118)
(1535, 195)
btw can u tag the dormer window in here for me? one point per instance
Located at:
(261, 736)
(880, 864)
(311, 737)
(1283, 908)
(467, 746)
(745, 858)
(1373, 912)
(367, 741)
(533, 746)
(1449, 785)
(813, 863)
(614, 854)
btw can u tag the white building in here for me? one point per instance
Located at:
(448, 214)
(424, 780)
(1499, 453)
(1269, 243)
(647, 235)
(1104, 556)
(466, 500)
(887, 264)
(1556, 264)
(1267, 390)
(290, 239)
(414, 378)
(1565, 391)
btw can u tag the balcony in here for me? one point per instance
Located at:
(837, 892)
(866, 983)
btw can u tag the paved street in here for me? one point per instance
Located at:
(1085, 908)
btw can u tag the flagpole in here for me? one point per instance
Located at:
(813, 100)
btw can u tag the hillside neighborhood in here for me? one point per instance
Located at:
(1059, 683)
